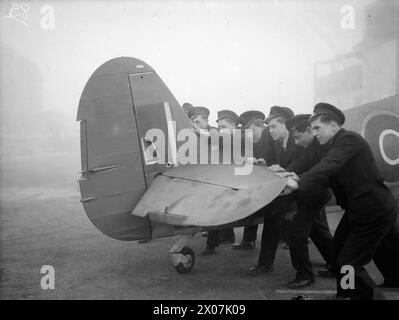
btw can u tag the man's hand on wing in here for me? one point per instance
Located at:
(252, 160)
(276, 168)
(292, 184)
(286, 174)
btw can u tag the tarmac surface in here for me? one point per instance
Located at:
(43, 223)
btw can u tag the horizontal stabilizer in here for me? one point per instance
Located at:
(208, 195)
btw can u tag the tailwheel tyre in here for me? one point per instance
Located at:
(184, 260)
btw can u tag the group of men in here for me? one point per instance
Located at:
(318, 157)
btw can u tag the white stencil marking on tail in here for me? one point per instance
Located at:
(171, 134)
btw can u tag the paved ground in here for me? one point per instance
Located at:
(43, 223)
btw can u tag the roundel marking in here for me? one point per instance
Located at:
(381, 130)
(387, 159)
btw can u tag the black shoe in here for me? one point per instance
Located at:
(326, 273)
(208, 251)
(300, 284)
(244, 245)
(204, 234)
(336, 297)
(301, 297)
(253, 271)
(144, 241)
(228, 240)
(390, 285)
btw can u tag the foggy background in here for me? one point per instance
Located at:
(237, 55)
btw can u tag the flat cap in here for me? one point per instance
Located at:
(196, 111)
(227, 114)
(296, 120)
(328, 110)
(249, 117)
(277, 111)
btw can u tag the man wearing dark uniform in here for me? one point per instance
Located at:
(199, 116)
(310, 219)
(368, 228)
(284, 153)
(262, 153)
(227, 122)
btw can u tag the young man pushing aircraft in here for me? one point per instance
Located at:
(368, 229)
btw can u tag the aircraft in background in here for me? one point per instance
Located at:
(378, 123)
(130, 192)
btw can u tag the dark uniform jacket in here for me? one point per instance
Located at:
(349, 167)
(263, 148)
(284, 157)
(308, 158)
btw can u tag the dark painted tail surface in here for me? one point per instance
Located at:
(120, 102)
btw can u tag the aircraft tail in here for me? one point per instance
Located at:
(122, 99)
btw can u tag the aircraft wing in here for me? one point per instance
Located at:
(207, 195)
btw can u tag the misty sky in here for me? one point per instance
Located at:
(238, 54)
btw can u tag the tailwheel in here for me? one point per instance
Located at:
(184, 260)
